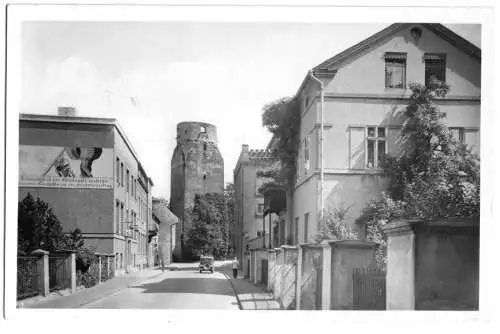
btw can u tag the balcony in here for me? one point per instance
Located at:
(274, 198)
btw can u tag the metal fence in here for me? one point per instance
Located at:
(59, 272)
(107, 267)
(29, 278)
(369, 289)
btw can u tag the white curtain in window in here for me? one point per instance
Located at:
(395, 76)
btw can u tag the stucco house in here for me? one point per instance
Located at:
(359, 96)
(250, 226)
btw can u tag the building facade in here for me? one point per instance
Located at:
(197, 168)
(366, 90)
(249, 222)
(167, 223)
(87, 171)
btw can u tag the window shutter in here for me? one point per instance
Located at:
(394, 142)
(356, 148)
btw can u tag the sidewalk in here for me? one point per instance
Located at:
(86, 296)
(250, 296)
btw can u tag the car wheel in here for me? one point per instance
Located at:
(201, 271)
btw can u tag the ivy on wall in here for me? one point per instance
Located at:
(436, 177)
(282, 119)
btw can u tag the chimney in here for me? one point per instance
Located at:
(66, 111)
(245, 148)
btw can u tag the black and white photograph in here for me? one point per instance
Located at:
(248, 158)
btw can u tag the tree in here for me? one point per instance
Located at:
(436, 177)
(333, 227)
(282, 119)
(209, 225)
(230, 198)
(38, 227)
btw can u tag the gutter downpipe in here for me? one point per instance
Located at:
(321, 168)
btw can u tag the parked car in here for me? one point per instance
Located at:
(206, 264)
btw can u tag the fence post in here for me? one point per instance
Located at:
(100, 268)
(326, 279)
(72, 270)
(44, 274)
(298, 277)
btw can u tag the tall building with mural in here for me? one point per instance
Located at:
(197, 168)
(87, 171)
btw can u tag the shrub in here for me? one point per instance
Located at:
(436, 177)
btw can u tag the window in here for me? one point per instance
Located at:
(306, 227)
(395, 70)
(306, 154)
(118, 171)
(435, 67)
(375, 147)
(121, 218)
(204, 146)
(205, 177)
(357, 147)
(128, 180)
(203, 129)
(121, 175)
(296, 231)
(260, 209)
(458, 134)
(131, 185)
(117, 217)
(470, 137)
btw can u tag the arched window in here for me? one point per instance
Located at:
(204, 146)
(204, 177)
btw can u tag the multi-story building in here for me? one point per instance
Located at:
(360, 110)
(87, 171)
(249, 226)
(197, 168)
(167, 222)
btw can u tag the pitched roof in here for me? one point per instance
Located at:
(439, 29)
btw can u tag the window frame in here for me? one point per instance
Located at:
(306, 227)
(391, 61)
(118, 171)
(461, 133)
(307, 154)
(127, 182)
(428, 58)
(122, 167)
(259, 212)
(376, 139)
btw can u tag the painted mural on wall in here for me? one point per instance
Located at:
(65, 167)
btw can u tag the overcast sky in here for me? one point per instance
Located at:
(150, 76)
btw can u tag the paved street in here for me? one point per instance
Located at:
(181, 288)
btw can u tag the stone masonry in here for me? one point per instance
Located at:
(197, 168)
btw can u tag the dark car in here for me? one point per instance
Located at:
(206, 264)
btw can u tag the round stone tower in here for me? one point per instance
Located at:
(197, 168)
